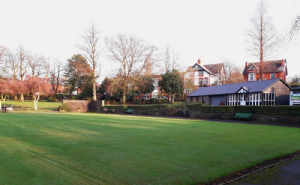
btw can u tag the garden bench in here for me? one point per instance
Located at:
(129, 111)
(9, 108)
(238, 115)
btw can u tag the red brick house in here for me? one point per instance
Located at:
(272, 69)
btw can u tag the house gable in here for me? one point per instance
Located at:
(243, 90)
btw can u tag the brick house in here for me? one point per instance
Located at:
(265, 92)
(272, 69)
(205, 75)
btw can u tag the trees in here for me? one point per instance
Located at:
(34, 86)
(171, 83)
(22, 64)
(7, 87)
(35, 64)
(133, 55)
(76, 71)
(91, 51)
(55, 76)
(169, 59)
(3, 61)
(263, 39)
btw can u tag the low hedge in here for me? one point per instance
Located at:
(218, 109)
(195, 106)
(146, 107)
(283, 110)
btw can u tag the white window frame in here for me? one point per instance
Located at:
(251, 75)
(269, 98)
(205, 81)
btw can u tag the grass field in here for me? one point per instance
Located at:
(28, 105)
(113, 149)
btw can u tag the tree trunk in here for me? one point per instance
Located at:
(124, 95)
(94, 85)
(16, 97)
(22, 97)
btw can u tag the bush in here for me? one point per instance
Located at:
(65, 107)
(73, 98)
(59, 96)
(138, 101)
(153, 100)
(163, 101)
(50, 99)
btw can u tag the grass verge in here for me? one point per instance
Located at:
(116, 149)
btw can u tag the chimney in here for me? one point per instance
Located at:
(246, 64)
(199, 61)
(282, 62)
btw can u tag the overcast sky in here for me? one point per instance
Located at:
(210, 30)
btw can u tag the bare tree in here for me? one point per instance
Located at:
(35, 63)
(91, 51)
(3, 61)
(46, 66)
(169, 59)
(228, 69)
(22, 64)
(263, 39)
(133, 55)
(55, 77)
(13, 65)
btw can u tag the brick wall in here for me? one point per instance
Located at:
(84, 105)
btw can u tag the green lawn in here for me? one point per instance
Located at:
(28, 105)
(113, 149)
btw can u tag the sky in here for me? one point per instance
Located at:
(210, 30)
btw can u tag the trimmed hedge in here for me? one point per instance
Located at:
(283, 110)
(195, 106)
(146, 107)
(218, 109)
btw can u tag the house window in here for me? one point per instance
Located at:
(272, 75)
(269, 98)
(201, 82)
(201, 73)
(205, 81)
(251, 76)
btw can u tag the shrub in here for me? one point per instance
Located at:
(153, 100)
(65, 107)
(73, 98)
(163, 101)
(148, 101)
(138, 101)
(59, 96)
(50, 99)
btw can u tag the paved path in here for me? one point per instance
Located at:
(287, 173)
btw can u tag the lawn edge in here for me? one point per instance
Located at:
(253, 169)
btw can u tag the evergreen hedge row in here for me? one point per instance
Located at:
(146, 107)
(283, 110)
